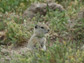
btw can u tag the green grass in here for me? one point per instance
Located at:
(58, 53)
(65, 48)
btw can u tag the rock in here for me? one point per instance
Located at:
(41, 8)
(55, 6)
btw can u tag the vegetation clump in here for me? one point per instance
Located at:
(16, 33)
(65, 39)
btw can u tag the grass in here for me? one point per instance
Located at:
(58, 52)
(65, 48)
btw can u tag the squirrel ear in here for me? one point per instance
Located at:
(36, 26)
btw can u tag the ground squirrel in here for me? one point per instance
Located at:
(38, 39)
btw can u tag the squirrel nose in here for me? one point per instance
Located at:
(48, 30)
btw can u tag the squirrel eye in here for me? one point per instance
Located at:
(42, 27)
(36, 26)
